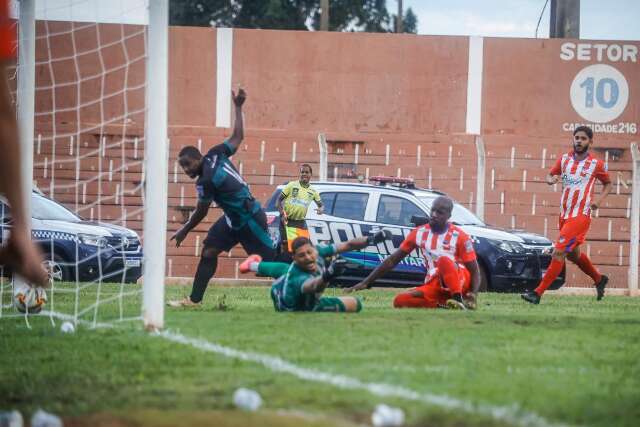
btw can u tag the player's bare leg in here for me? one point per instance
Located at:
(584, 263)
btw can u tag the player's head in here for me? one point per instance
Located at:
(304, 254)
(582, 139)
(440, 212)
(190, 160)
(305, 173)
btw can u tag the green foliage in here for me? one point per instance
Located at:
(571, 360)
(345, 15)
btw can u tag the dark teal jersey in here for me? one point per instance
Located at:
(221, 183)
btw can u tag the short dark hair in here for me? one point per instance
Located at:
(585, 129)
(300, 242)
(191, 152)
(306, 165)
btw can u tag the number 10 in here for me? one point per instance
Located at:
(588, 84)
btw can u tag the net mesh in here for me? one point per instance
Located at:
(88, 169)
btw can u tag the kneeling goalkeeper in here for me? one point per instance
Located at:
(299, 285)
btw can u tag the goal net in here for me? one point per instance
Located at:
(99, 170)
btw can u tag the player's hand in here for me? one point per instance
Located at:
(179, 236)
(239, 99)
(360, 286)
(470, 301)
(552, 179)
(24, 258)
(378, 237)
(336, 268)
(320, 210)
(594, 206)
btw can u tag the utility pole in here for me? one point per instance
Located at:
(565, 19)
(399, 28)
(324, 15)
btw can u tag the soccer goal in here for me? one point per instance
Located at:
(90, 89)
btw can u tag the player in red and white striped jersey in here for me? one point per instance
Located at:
(453, 277)
(579, 171)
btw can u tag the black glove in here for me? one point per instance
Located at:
(336, 268)
(378, 237)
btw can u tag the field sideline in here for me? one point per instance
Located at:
(568, 361)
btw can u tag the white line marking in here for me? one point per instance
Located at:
(510, 414)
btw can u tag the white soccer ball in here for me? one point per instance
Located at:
(247, 400)
(67, 328)
(28, 299)
(387, 416)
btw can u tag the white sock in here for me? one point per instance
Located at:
(254, 266)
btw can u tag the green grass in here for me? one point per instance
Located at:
(570, 360)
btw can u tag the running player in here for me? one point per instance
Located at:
(579, 171)
(243, 221)
(299, 285)
(453, 275)
(293, 204)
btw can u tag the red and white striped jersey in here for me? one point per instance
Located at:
(578, 179)
(454, 244)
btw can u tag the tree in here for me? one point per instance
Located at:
(345, 15)
(410, 22)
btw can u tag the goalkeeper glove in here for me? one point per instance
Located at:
(378, 237)
(336, 268)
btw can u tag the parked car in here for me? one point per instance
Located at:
(510, 260)
(77, 249)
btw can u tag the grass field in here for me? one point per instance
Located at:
(570, 360)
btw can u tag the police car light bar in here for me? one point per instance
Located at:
(401, 182)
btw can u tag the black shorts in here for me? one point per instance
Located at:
(253, 237)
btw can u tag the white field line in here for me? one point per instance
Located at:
(513, 414)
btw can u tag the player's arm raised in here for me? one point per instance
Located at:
(238, 128)
(196, 217)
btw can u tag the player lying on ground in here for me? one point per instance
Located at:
(453, 275)
(243, 221)
(578, 170)
(299, 285)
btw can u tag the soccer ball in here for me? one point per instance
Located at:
(29, 300)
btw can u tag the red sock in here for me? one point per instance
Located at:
(406, 300)
(555, 268)
(449, 273)
(588, 268)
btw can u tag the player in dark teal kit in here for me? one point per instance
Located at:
(243, 221)
(299, 285)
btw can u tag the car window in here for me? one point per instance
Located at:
(350, 205)
(396, 211)
(328, 200)
(460, 215)
(46, 209)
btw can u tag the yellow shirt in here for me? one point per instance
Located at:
(297, 199)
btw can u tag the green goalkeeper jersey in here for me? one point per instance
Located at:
(286, 291)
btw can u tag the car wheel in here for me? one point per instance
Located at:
(484, 278)
(56, 269)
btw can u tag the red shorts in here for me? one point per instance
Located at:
(573, 232)
(437, 295)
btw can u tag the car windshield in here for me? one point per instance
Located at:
(46, 209)
(460, 214)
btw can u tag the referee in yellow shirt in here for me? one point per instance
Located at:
(293, 204)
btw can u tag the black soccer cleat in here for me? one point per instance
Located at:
(531, 297)
(600, 287)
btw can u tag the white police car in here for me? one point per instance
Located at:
(77, 249)
(510, 260)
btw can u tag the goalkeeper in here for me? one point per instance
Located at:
(299, 285)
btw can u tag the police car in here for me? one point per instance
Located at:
(510, 260)
(77, 249)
